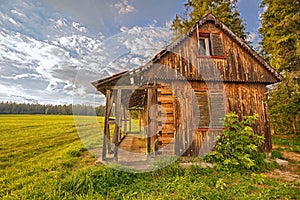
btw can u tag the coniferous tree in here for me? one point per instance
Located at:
(27, 108)
(281, 34)
(224, 10)
(281, 47)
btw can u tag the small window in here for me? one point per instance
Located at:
(210, 44)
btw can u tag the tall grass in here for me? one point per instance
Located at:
(42, 157)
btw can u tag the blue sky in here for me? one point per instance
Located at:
(109, 16)
(51, 50)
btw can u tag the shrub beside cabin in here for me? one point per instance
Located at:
(184, 91)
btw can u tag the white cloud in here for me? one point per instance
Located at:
(57, 71)
(262, 10)
(11, 20)
(124, 7)
(123, 29)
(17, 13)
(168, 24)
(58, 23)
(79, 27)
(252, 37)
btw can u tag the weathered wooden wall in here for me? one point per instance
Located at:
(238, 75)
(242, 75)
(248, 99)
(184, 119)
(236, 65)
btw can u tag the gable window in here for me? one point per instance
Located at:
(210, 44)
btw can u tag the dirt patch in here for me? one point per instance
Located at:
(274, 146)
(284, 175)
(292, 156)
(290, 172)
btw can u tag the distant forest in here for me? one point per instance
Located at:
(27, 108)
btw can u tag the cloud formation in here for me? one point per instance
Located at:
(124, 7)
(50, 53)
(57, 71)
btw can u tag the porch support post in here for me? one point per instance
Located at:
(106, 124)
(118, 116)
(151, 115)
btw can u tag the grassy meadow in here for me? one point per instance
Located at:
(42, 157)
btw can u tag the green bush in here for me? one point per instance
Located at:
(276, 154)
(237, 147)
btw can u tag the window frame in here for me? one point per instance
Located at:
(206, 36)
(208, 91)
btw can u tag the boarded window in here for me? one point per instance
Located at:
(202, 109)
(217, 108)
(210, 109)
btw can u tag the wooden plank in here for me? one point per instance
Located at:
(125, 120)
(118, 115)
(165, 101)
(168, 127)
(106, 124)
(164, 110)
(151, 112)
(164, 91)
(167, 105)
(129, 87)
(166, 140)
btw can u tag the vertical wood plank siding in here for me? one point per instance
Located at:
(241, 77)
(236, 66)
(248, 99)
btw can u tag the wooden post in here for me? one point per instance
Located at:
(149, 104)
(118, 115)
(151, 115)
(125, 120)
(140, 120)
(130, 129)
(106, 125)
(267, 134)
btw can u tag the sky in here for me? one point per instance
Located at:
(50, 50)
(109, 16)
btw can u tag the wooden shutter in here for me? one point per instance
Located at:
(217, 108)
(202, 113)
(217, 48)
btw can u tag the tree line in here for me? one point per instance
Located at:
(9, 107)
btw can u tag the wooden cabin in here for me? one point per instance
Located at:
(183, 93)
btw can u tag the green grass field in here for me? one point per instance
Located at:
(42, 157)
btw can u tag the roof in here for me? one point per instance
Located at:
(208, 18)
